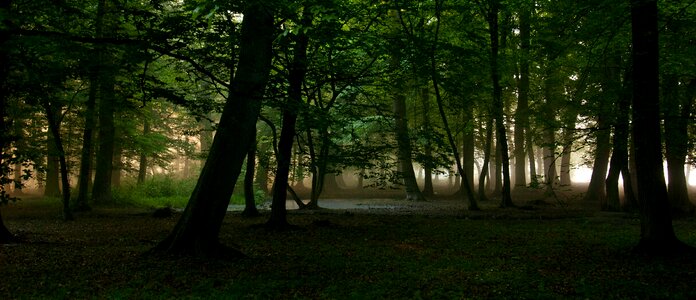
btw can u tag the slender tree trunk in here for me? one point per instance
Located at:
(53, 164)
(501, 131)
(143, 161)
(553, 92)
(657, 234)
(473, 204)
(117, 165)
(522, 112)
(197, 231)
(468, 145)
(249, 195)
(619, 156)
(486, 160)
(297, 72)
(531, 158)
(428, 190)
(567, 152)
(53, 115)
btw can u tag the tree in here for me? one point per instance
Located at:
(296, 78)
(5, 235)
(196, 232)
(501, 132)
(657, 234)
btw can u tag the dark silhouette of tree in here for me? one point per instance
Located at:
(657, 234)
(197, 231)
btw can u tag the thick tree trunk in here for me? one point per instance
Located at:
(197, 231)
(101, 191)
(403, 140)
(677, 115)
(595, 189)
(657, 234)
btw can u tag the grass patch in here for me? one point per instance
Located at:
(166, 191)
(355, 256)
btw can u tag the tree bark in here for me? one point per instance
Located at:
(197, 231)
(657, 234)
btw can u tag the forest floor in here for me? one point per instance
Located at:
(551, 247)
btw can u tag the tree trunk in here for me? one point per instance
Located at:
(501, 131)
(197, 231)
(428, 190)
(117, 165)
(297, 72)
(553, 92)
(5, 235)
(486, 160)
(677, 115)
(595, 189)
(143, 161)
(473, 204)
(567, 152)
(249, 195)
(101, 191)
(522, 112)
(657, 234)
(53, 164)
(468, 145)
(53, 115)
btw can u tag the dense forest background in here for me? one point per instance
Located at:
(471, 98)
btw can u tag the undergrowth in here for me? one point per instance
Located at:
(167, 191)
